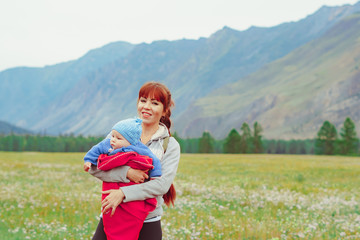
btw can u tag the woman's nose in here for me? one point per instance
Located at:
(147, 104)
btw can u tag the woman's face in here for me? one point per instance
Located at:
(150, 110)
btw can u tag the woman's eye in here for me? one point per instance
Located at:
(155, 103)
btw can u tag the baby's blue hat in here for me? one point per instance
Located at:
(130, 129)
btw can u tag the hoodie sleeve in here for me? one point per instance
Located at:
(117, 174)
(160, 185)
(100, 148)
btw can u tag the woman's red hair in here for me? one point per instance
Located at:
(162, 94)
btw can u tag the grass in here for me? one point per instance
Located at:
(48, 196)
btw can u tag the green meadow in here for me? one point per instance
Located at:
(49, 196)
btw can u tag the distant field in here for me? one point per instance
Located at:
(48, 196)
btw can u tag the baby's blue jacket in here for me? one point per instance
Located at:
(104, 146)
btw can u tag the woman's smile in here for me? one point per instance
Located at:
(146, 114)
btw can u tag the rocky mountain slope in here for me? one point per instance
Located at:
(292, 96)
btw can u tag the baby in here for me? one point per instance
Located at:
(125, 137)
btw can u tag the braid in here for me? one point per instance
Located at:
(167, 106)
(166, 119)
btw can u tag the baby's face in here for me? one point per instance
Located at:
(117, 140)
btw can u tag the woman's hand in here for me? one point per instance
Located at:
(113, 200)
(136, 175)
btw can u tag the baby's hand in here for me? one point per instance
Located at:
(87, 166)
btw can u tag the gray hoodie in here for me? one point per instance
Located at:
(156, 187)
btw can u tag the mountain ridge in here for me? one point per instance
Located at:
(7, 128)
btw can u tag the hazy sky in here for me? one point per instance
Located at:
(45, 32)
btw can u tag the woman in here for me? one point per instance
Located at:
(154, 108)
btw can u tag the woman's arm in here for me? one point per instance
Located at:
(159, 186)
(117, 174)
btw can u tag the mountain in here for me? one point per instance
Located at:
(7, 128)
(88, 95)
(290, 97)
(25, 92)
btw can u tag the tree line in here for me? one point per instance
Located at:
(44, 143)
(246, 140)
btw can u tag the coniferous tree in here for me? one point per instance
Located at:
(206, 143)
(257, 142)
(10, 142)
(179, 140)
(232, 142)
(192, 145)
(16, 143)
(270, 146)
(302, 147)
(293, 147)
(245, 143)
(349, 140)
(326, 139)
(280, 147)
(2, 148)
